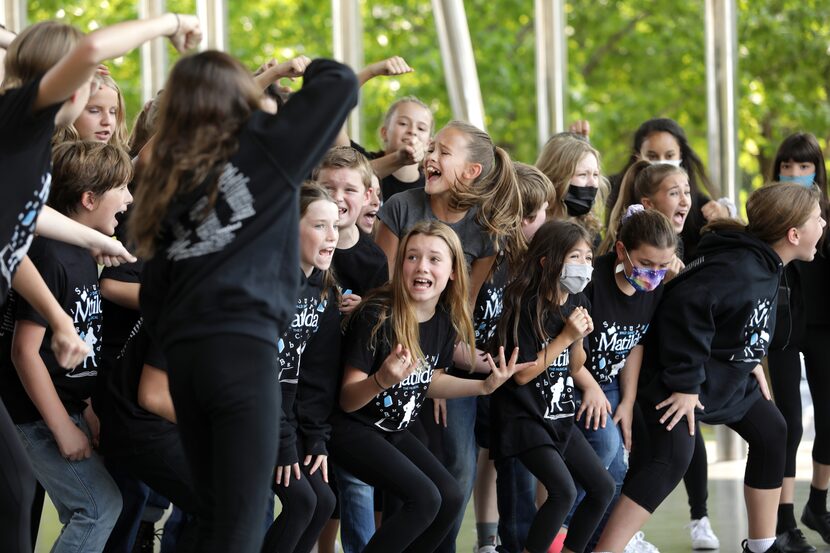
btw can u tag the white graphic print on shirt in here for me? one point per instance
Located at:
(756, 334)
(86, 314)
(611, 350)
(212, 232)
(487, 314)
(21, 238)
(402, 402)
(292, 344)
(556, 387)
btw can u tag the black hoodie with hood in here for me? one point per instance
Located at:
(713, 326)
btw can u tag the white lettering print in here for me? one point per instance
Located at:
(21, 238)
(86, 314)
(555, 388)
(402, 402)
(211, 233)
(614, 344)
(756, 334)
(293, 342)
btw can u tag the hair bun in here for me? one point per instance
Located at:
(632, 209)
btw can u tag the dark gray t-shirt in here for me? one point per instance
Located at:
(405, 209)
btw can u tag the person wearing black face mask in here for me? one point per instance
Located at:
(580, 199)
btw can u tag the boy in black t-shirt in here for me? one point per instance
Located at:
(51, 407)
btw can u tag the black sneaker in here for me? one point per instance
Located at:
(820, 522)
(772, 548)
(145, 538)
(793, 541)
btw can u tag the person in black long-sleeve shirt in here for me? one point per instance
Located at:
(703, 354)
(216, 220)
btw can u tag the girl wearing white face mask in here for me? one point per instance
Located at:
(532, 415)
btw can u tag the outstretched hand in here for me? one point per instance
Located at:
(504, 370)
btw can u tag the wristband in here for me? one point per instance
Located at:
(375, 376)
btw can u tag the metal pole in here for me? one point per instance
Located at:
(459, 62)
(14, 15)
(721, 95)
(347, 30)
(213, 15)
(551, 68)
(153, 53)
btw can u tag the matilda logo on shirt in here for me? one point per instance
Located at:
(487, 322)
(556, 388)
(614, 344)
(86, 314)
(756, 334)
(211, 233)
(292, 344)
(401, 403)
(21, 238)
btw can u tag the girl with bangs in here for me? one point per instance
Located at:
(398, 344)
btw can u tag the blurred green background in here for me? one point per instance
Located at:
(628, 60)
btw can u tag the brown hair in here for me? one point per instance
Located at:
(642, 180)
(144, 126)
(208, 99)
(311, 192)
(346, 157)
(772, 211)
(118, 139)
(495, 191)
(648, 226)
(394, 304)
(36, 49)
(79, 167)
(535, 188)
(558, 161)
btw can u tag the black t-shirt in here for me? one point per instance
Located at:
(540, 412)
(232, 268)
(25, 154)
(72, 277)
(360, 268)
(620, 321)
(124, 423)
(394, 409)
(488, 308)
(390, 184)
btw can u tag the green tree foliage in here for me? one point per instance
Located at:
(628, 60)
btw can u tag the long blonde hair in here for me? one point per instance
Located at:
(558, 161)
(394, 304)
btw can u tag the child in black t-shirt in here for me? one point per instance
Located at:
(307, 501)
(397, 345)
(624, 292)
(532, 416)
(53, 415)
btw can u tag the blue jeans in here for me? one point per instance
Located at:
(357, 511)
(85, 496)
(516, 498)
(460, 451)
(608, 444)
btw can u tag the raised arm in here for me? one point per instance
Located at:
(78, 66)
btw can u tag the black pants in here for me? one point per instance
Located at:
(17, 486)
(307, 504)
(397, 463)
(227, 401)
(557, 473)
(762, 427)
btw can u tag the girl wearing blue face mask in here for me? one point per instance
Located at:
(624, 293)
(546, 314)
(802, 326)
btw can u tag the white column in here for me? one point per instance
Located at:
(721, 95)
(551, 68)
(347, 31)
(459, 61)
(153, 53)
(14, 15)
(213, 15)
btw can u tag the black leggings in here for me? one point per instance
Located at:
(401, 466)
(762, 427)
(17, 487)
(557, 474)
(227, 401)
(307, 504)
(785, 377)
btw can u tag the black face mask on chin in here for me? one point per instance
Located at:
(579, 199)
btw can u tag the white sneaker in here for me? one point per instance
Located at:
(638, 544)
(703, 537)
(484, 549)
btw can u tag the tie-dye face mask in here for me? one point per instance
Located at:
(643, 280)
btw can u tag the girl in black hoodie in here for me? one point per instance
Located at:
(708, 338)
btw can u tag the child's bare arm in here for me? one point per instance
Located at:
(72, 442)
(272, 71)
(395, 65)
(154, 393)
(106, 251)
